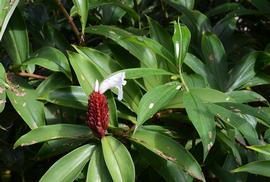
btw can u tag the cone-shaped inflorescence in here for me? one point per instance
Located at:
(98, 114)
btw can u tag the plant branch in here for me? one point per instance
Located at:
(32, 75)
(70, 20)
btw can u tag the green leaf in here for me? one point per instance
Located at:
(15, 39)
(154, 100)
(202, 119)
(245, 96)
(86, 72)
(257, 167)
(6, 10)
(53, 132)
(72, 96)
(2, 87)
(54, 81)
(237, 122)
(181, 39)
(215, 57)
(118, 160)
(68, 167)
(189, 4)
(196, 65)
(97, 170)
(52, 59)
(23, 98)
(222, 8)
(243, 72)
(170, 150)
(159, 34)
(264, 149)
(82, 10)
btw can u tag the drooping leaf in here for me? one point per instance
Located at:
(68, 167)
(23, 98)
(52, 59)
(202, 119)
(170, 150)
(15, 40)
(53, 132)
(154, 100)
(257, 167)
(245, 96)
(189, 4)
(118, 160)
(97, 169)
(6, 10)
(82, 10)
(264, 149)
(2, 88)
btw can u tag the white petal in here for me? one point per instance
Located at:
(115, 81)
(96, 86)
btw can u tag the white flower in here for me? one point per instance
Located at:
(115, 81)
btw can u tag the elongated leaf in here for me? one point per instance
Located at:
(86, 72)
(68, 167)
(53, 132)
(202, 119)
(215, 57)
(15, 39)
(243, 72)
(52, 59)
(6, 10)
(245, 96)
(181, 39)
(72, 96)
(196, 65)
(97, 169)
(189, 4)
(82, 10)
(223, 8)
(159, 34)
(118, 160)
(170, 150)
(264, 149)
(155, 100)
(23, 99)
(2, 87)
(257, 167)
(54, 81)
(263, 117)
(236, 122)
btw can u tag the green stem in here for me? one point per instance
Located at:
(183, 80)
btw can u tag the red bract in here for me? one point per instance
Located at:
(98, 114)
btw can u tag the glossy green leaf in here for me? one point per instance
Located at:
(52, 59)
(118, 160)
(53, 132)
(72, 96)
(223, 8)
(154, 100)
(55, 147)
(82, 10)
(2, 88)
(243, 72)
(237, 122)
(181, 39)
(159, 34)
(196, 65)
(170, 150)
(15, 40)
(245, 96)
(23, 98)
(202, 119)
(257, 167)
(54, 81)
(97, 169)
(263, 117)
(86, 72)
(215, 58)
(6, 10)
(68, 167)
(264, 149)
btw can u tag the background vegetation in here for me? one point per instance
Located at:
(195, 106)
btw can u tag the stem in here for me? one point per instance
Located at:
(32, 75)
(70, 21)
(183, 80)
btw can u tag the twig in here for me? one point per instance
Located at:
(70, 21)
(32, 75)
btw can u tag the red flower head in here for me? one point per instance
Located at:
(98, 111)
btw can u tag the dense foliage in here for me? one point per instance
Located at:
(195, 106)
